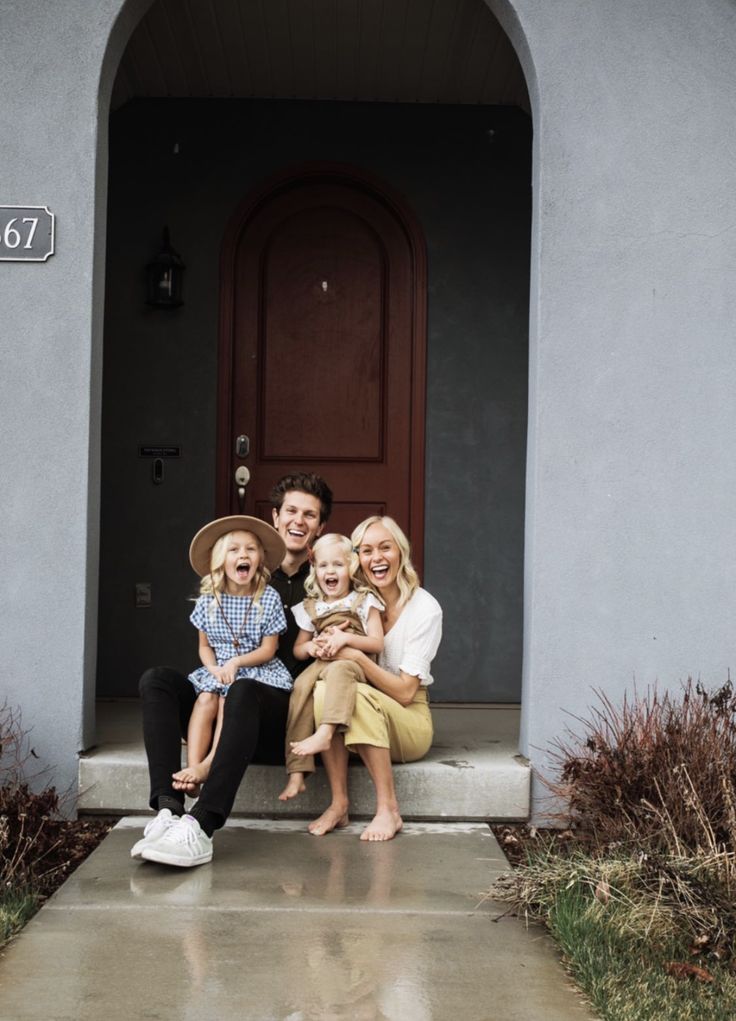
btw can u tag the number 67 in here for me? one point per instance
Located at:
(11, 235)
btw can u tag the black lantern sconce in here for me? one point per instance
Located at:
(164, 277)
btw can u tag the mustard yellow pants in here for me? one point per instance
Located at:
(381, 721)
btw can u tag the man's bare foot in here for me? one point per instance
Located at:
(320, 741)
(333, 818)
(294, 786)
(384, 825)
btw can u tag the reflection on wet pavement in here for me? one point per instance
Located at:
(282, 926)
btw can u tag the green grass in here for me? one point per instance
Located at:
(16, 908)
(623, 976)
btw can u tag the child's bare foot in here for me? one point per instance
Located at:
(188, 786)
(333, 818)
(320, 741)
(385, 824)
(192, 790)
(189, 778)
(295, 786)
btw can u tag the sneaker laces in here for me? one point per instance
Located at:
(186, 833)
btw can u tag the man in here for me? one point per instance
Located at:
(299, 515)
(254, 721)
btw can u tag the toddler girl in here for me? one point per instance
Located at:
(239, 618)
(337, 612)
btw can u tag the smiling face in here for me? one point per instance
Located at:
(380, 558)
(331, 570)
(243, 557)
(298, 522)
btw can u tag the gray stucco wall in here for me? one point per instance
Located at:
(631, 477)
(48, 542)
(466, 174)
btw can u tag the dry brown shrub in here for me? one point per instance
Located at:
(659, 771)
(39, 847)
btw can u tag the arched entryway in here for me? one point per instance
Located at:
(463, 165)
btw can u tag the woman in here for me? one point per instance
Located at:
(392, 721)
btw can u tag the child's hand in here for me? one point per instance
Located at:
(225, 674)
(229, 671)
(312, 649)
(319, 645)
(334, 640)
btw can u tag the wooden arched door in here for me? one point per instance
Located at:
(322, 348)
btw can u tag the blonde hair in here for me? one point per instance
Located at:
(311, 585)
(214, 582)
(407, 579)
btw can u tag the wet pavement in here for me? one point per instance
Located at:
(283, 926)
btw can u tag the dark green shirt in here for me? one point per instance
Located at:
(291, 590)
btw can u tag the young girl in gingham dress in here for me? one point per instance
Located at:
(239, 618)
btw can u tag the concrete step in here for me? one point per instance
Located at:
(473, 772)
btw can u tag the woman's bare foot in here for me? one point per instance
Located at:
(335, 817)
(294, 786)
(384, 825)
(320, 741)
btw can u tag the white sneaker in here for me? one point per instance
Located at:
(183, 844)
(153, 830)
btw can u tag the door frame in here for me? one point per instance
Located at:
(357, 178)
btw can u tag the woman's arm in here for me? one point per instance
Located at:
(422, 632)
(403, 687)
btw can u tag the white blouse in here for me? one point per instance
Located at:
(347, 602)
(412, 642)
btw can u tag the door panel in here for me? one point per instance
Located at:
(322, 352)
(324, 296)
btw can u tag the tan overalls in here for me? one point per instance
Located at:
(340, 677)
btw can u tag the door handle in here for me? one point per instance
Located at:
(242, 478)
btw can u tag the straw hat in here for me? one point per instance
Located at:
(200, 552)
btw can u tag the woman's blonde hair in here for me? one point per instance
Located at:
(214, 582)
(311, 585)
(407, 579)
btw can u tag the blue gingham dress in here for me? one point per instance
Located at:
(266, 619)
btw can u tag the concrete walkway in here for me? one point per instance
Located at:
(282, 926)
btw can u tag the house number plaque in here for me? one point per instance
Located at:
(26, 233)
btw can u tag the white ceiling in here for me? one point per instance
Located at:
(398, 51)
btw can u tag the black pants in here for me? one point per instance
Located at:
(253, 730)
